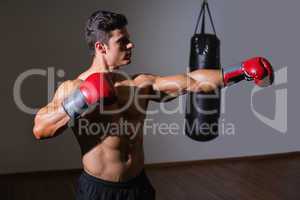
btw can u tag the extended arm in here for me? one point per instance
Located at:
(204, 80)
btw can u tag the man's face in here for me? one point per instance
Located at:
(119, 48)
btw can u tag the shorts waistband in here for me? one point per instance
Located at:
(123, 184)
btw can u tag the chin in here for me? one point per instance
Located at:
(126, 62)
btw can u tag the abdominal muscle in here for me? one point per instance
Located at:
(115, 159)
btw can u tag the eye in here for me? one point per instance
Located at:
(124, 41)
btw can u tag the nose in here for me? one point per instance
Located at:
(130, 45)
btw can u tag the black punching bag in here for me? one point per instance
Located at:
(203, 110)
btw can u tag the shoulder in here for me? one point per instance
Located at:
(67, 87)
(144, 78)
(69, 84)
(126, 77)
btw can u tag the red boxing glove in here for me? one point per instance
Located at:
(258, 69)
(96, 87)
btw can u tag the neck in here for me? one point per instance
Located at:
(99, 64)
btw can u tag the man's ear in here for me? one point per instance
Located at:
(100, 47)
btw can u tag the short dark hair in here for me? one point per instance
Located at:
(100, 24)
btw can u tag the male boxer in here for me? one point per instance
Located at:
(113, 160)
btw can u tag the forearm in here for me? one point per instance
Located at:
(49, 120)
(197, 81)
(207, 79)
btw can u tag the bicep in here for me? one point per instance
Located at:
(162, 88)
(61, 93)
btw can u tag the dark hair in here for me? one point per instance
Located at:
(100, 24)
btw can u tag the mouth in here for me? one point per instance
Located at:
(128, 56)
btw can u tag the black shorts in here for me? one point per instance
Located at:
(92, 188)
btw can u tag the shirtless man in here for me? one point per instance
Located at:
(113, 161)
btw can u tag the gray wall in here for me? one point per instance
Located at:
(41, 34)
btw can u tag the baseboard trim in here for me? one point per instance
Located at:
(287, 155)
(224, 160)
